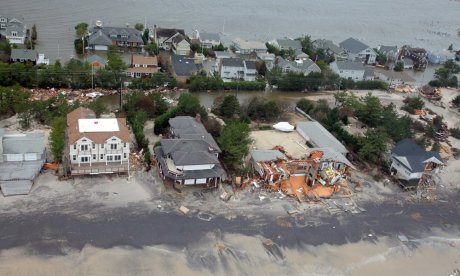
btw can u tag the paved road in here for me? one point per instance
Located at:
(50, 233)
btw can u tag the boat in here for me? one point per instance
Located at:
(284, 127)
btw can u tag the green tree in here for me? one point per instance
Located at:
(34, 33)
(234, 142)
(381, 57)
(145, 36)
(305, 105)
(413, 103)
(456, 101)
(307, 45)
(80, 30)
(139, 27)
(98, 107)
(373, 145)
(399, 66)
(274, 75)
(57, 138)
(450, 48)
(230, 106)
(115, 63)
(292, 82)
(152, 48)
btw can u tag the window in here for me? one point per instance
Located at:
(14, 34)
(74, 158)
(117, 157)
(113, 146)
(102, 156)
(124, 145)
(2, 19)
(84, 147)
(84, 159)
(138, 74)
(109, 157)
(94, 146)
(75, 146)
(94, 156)
(102, 146)
(124, 155)
(137, 65)
(144, 65)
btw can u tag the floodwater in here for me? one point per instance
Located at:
(424, 23)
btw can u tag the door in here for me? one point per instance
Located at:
(189, 181)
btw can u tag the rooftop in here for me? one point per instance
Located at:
(25, 54)
(353, 45)
(249, 44)
(413, 156)
(350, 65)
(320, 136)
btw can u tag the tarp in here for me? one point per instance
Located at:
(21, 187)
(283, 126)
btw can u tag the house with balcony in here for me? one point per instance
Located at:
(97, 145)
(358, 51)
(142, 66)
(330, 49)
(208, 40)
(22, 156)
(189, 156)
(13, 29)
(304, 66)
(410, 163)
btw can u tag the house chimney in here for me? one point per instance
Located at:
(198, 117)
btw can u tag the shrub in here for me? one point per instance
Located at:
(455, 132)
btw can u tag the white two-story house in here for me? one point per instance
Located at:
(354, 70)
(13, 29)
(356, 50)
(236, 69)
(97, 145)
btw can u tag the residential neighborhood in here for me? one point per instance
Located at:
(155, 132)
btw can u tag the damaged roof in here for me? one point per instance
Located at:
(413, 156)
(267, 155)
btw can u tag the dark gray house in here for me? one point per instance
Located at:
(24, 55)
(101, 38)
(190, 155)
(409, 162)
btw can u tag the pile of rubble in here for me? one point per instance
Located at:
(430, 93)
(82, 95)
(404, 88)
(308, 179)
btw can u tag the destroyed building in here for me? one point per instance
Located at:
(318, 175)
(417, 55)
(21, 159)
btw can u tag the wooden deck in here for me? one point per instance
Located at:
(114, 167)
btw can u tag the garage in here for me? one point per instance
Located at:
(13, 157)
(101, 48)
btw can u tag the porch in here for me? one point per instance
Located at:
(99, 168)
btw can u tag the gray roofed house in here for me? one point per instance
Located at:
(191, 156)
(184, 67)
(97, 60)
(357, 50)
(232, 62)
(410, 162)
(21, 159)
(23, 55)
(330, 48)
(102, 37)
(208, 40)
(330, 154)
(305, 66)
(391, 52)
(222, 54)
(250, 64)
(287, 43)
(13, 29)
(354, 70)
(320, 137)
(369, 73)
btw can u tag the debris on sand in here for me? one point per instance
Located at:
(184, 210)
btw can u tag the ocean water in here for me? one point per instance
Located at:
(424, 23)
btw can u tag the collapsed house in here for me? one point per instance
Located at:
(417, 55)
(319, 175)
(21, 159)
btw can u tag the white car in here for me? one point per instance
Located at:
(94, 94)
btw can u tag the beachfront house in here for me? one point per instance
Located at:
(180, 44)
(142, 66)
(21, 158)
(245, 47)
(356, 50)
(97, 145)
(24, 55)
(410, 163)
(100, 38)
(393, 78)
(418, 57)
(13, 29)
(354, 70)
(304, 66)
(190, 155)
